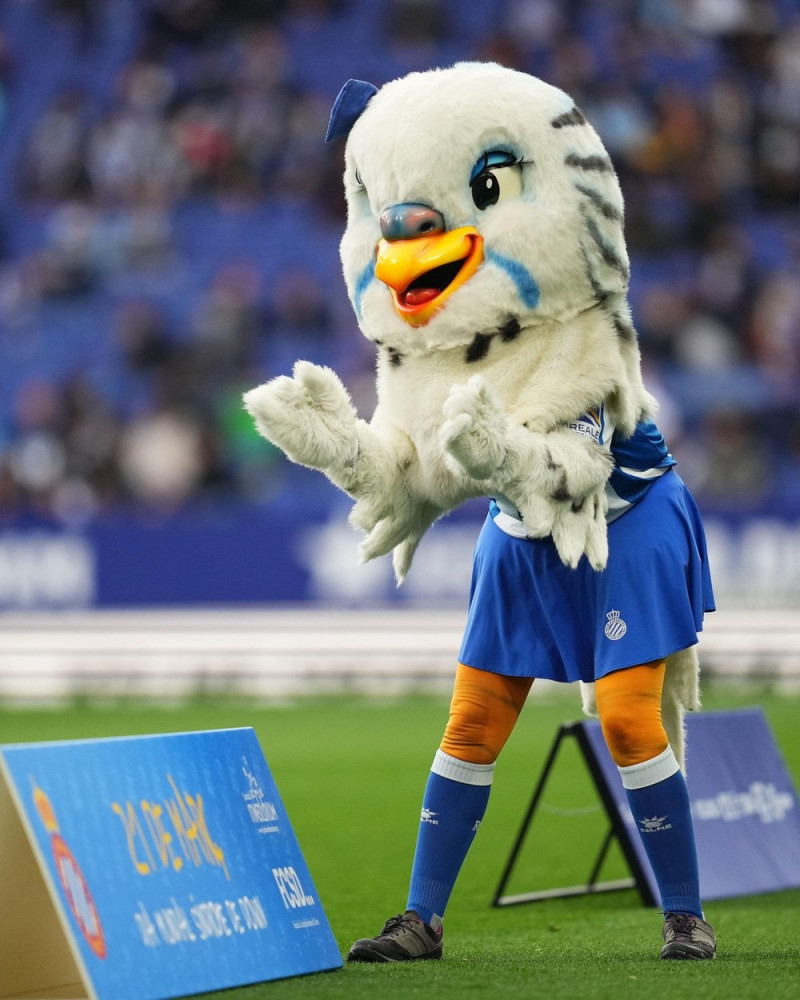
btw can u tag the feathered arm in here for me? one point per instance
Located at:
(311, 418)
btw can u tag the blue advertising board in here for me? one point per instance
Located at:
(171, 862)
(296, 545)
(744, 805)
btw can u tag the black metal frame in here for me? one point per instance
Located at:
(616, 830)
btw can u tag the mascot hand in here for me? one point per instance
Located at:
(576, 527)
(475, 432)
(311, 418)
(557, 482)
(398, 524)
(581, 528)
(308, 416)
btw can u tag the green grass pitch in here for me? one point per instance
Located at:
(351, 773)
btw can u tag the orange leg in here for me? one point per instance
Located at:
(483, 711)
(629, 706)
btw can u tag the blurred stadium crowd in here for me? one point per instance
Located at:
(169, 221)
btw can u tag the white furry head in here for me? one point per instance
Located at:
(492, 151)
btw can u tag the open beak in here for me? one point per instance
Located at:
(423, 272)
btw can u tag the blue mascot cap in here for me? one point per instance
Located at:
(350, 102)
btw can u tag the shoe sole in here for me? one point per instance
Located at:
(682, 952)
(365, 954)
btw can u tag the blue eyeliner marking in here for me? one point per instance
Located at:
(494, 158)
(520, 275)
(363, 282)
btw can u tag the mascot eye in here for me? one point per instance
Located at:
(496, 176)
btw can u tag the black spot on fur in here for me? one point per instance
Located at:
(599, 163)
(572, 117)
(610, 257)
(561, 493)
(509, 330)
(395, 357)
(578, 505)
(624, 330)
(479, 348)
(601, 294)
(481, 342)
(605, 208)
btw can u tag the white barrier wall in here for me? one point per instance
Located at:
(278, 651)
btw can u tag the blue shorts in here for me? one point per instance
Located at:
(532, 616)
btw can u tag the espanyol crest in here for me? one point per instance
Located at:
(615, 626)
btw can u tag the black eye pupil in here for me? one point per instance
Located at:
(485, 190)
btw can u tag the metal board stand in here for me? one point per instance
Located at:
(617, 831)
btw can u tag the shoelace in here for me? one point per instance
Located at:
(684, 923)
(395, 924)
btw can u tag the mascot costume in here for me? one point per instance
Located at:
(484, 256)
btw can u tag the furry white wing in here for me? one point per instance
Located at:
(311, 417)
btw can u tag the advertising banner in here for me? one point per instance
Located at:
(298, 546)
(744, 805)
(151, 867)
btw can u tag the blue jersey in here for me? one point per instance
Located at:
(639, 460)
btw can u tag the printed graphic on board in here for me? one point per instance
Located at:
(744, 805)
(174, 862)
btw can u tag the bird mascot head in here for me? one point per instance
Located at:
(481, 203)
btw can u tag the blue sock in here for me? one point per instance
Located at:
(455, 801)
(659, 801)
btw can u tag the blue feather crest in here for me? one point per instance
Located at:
(349, 104)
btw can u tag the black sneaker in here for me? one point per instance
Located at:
(404, 938)
(687, 936)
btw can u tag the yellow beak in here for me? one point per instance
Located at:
(423, 272)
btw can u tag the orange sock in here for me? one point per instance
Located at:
(483, 711)
(629, 706)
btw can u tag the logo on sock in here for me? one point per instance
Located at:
(428, 816)
(655, 824)
(615, 626)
